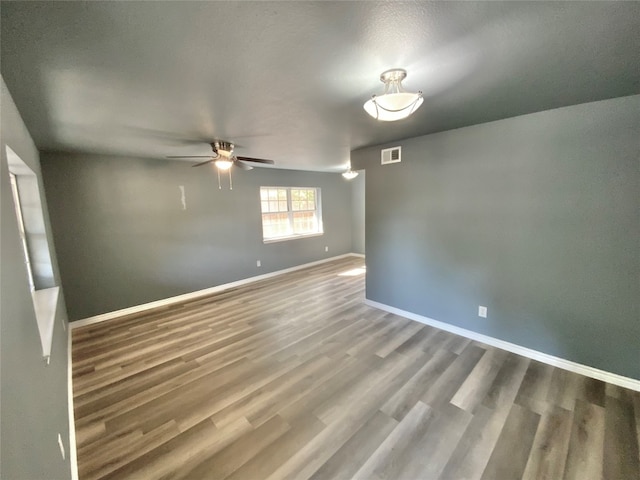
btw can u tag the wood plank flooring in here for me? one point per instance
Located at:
(295, 378)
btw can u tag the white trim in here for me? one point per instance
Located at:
(73, 453)
(361, 255)
(193, 295)
(45, 304)
(292, 237)
(585, 370)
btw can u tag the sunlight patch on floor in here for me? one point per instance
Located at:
(354, 272)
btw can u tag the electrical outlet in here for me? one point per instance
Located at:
(326, 248)
(258, 263)
(61, 445)
(482, 311)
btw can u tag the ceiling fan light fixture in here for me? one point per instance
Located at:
(223, 163)
(222, 148)
(394, 104)
(350, 174)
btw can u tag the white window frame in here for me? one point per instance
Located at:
(45, 298)
(292, 236)
(23, 234)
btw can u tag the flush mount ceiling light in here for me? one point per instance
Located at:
(394, 104)
(350, 174)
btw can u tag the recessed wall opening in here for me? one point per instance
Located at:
(35, 246)
(23, 236)
(26, 195)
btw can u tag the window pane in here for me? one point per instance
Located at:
(21, 229)
(283, 206)
(275, 225)
(273, 194)
(282, 194)
(264, 195)
(265, 207)
(304, 222)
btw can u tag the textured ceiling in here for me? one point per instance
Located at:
(287, 80)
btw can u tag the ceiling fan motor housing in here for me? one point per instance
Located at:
(222, 148)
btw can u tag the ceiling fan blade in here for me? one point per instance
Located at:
(189, 156)
(204, 163)
(256, 160)
(243, 165)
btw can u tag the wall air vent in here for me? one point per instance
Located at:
(390, 155)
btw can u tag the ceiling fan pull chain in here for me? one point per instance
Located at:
(219, 185)
(230, 181)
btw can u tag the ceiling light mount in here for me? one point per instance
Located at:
(222, 148)
(393, 75)
(395, 103)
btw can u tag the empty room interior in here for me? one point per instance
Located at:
(375, 240)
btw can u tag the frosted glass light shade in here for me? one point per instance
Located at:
(350, 174)
(223, 164)
(390, 107)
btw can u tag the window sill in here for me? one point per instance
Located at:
(45, 303)
(292, 237)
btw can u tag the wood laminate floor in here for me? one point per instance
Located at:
(294, 377)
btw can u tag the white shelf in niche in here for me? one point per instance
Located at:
(45, 303)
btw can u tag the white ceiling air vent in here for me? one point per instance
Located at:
(390, 155)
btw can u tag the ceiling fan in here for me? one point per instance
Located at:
(223, 157)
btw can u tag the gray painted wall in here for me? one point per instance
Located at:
(536, 217)
(358, 213)
(33, 395)
(123, 238)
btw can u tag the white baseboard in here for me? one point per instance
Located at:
(73, 452)
(585, 370)
(200, 293)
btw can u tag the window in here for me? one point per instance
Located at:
(23, 234)
(290, 212)
(27, 204)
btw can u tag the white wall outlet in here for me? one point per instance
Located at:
(258, 263)
(61, 445)
(482, 311)
(326, 248)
